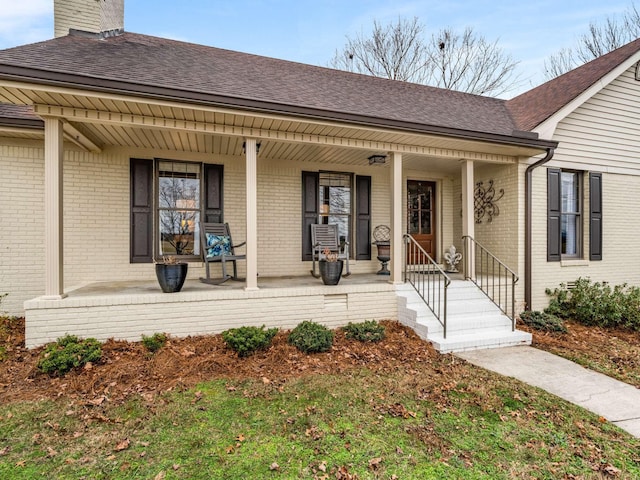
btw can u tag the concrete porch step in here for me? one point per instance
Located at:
(473, 320)
(479, 340)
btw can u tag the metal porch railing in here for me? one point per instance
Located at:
(494, 278)
(427, 278)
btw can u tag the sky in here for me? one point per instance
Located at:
(310, 31)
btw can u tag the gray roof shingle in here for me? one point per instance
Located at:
(133, 59)
(533, 107)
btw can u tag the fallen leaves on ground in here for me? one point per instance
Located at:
(126, 368)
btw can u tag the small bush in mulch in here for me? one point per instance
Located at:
(246, 340)
(155, 342)
(543, 321)
(369, 331)
(310, 337)
(67, 353)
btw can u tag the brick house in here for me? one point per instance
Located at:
(96, 120)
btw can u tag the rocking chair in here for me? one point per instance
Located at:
(326, 237)
(217, 246)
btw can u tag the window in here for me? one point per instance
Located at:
(169, 199)
(178, 200)
(570, 218)
(335, 202)
(335, 198)
(565, 220)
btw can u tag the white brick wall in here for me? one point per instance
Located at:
(213, 311)
(96, 217)
(500, 235)
(22, 215)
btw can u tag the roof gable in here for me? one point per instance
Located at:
(532, 108)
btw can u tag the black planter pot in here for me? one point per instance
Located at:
(171, 277)
(330, 271)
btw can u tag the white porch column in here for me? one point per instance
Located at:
(252, 213)
(396, 218)
(53, 221)
(468, 219)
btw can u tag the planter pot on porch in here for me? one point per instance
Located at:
(330, 272)
(171, 277)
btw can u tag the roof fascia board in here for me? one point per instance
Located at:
(34, 76)
(547, 128)
(22, 123)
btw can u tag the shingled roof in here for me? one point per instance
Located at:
(533, 107)
(146, 65)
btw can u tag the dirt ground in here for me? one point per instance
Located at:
(128, 369)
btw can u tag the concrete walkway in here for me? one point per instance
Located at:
(616, 401)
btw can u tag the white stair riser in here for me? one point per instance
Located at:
(473, 320)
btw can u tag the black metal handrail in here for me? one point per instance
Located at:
(491, 276)
(428, 279)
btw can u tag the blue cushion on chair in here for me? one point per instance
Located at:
(217, 245)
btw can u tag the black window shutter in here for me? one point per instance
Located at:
(310, 191)
(553, 214)
(595, 216)
(213, 211)
(363, 218)
(141, 204)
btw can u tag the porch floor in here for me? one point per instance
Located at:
(116, 288)
(126, 310)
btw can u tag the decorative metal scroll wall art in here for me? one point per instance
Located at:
(484, 201)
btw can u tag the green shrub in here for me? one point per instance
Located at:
(67, 353)
(155, 342)
(246, 340)
(369, 331)
(546, 322)
(309, 337)
(595, 303)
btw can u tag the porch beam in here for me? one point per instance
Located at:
(252, 213)
(396, 218)
(468, 218)
(53, 200)
(75, 136)
(163, 123)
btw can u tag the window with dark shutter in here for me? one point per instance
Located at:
(175, 208)
(213, 193)
(554, 212)
(141, 214)
(363, 218)
(595, 216)
(310, 204)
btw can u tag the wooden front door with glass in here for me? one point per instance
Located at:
(421, 215)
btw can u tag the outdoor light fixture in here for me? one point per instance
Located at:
(377, 159)
(637, 74)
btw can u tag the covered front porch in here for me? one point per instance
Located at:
(129, 309)
(89, 144)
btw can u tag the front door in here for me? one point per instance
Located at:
(421, 212)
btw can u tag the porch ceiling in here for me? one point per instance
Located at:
(112, 120)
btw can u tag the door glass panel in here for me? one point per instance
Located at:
(426, 223)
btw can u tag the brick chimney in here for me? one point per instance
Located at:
(99, 17)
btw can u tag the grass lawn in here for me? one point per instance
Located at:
(394, 409)
(458, 422)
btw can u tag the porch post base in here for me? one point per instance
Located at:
(54, 297)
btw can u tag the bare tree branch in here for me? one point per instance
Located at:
(398, 51)
(600, 38)
(469, 63)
